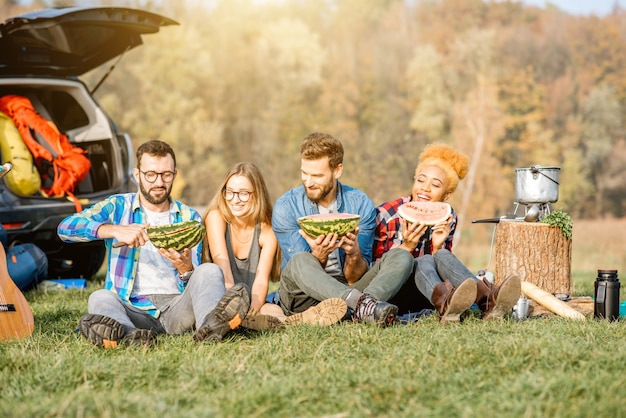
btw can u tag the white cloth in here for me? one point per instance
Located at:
(155, 274)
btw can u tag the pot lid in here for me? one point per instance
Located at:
(70, 41)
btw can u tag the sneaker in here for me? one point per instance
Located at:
(372, 311)
(327, 312)
(261, 322)
(227, 315)
(101, 330)
(140, 337)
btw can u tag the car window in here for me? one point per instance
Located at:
(56, 105)
(63, 109)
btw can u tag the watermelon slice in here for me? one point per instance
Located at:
(328, 223)
(426, 213)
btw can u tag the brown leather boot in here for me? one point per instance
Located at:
(496, 301)
(451, 302)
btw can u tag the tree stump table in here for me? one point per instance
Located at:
(536, 252)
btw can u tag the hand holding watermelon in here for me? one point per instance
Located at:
(350, 243)
(181, 260)
(440, 232)
(418, 216)
(323, 245)
(133, 235)
(411, 234)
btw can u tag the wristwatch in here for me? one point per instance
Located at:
(185, 276)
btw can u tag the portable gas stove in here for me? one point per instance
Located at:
(535, 188)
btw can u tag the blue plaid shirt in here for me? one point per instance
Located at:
(123, 209)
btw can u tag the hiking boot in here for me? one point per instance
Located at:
(327, 312)
(497, 301)
(227, 315)
(140, 337)
(101, 330)
(373, 311)
(261, 322)
(451, 301)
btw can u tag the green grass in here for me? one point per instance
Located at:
(536, 368)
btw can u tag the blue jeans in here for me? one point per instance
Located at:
(179, 312)
(430, 270)
(304, 282)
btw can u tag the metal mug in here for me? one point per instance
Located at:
(520, 310)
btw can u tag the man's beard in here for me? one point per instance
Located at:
(319, 194)
(155, 201)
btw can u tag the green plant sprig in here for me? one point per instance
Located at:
(562, 220)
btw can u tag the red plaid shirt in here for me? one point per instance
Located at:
(388, 233)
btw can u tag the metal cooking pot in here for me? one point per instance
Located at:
(537, 184)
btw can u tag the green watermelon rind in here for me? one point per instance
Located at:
(410, 219)
(177, 236)
(313, 226)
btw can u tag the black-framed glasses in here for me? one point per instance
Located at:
(151, 176)
(243, 195)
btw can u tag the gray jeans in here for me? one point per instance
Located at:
(431, 270)
(179, 312)
(304, 282)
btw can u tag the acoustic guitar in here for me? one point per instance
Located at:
(16, 317)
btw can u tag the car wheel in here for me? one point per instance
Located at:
(76, 260)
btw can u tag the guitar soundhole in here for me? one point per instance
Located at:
(7, 307)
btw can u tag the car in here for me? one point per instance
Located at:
(43, 55)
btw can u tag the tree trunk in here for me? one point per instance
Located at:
(535, 251)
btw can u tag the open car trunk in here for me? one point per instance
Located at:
(68, 105)
(43, 54)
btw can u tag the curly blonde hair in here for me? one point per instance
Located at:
(448, 159)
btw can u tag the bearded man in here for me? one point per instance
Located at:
(330, 266)
(149, 290)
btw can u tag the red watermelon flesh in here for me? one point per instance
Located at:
(328, 223)
(426, 213)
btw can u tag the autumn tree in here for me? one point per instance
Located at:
(508, 84)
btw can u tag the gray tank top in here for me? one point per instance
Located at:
(244, 270)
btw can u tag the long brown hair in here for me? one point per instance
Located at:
(261, 207)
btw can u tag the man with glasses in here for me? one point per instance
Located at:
(149, 290)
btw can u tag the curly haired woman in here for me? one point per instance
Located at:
(439, 276)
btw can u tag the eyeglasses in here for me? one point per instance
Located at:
(243, 195)
(151, 176)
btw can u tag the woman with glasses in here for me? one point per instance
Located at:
(239, 236)
(241, 241)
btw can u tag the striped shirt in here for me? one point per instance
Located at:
(388, 233)
(124, 209)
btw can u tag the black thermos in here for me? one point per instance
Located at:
(606, 295)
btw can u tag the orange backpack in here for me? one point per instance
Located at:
(69, 163)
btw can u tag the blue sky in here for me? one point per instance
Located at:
(581, 7)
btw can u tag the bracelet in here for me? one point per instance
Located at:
(185, 276)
